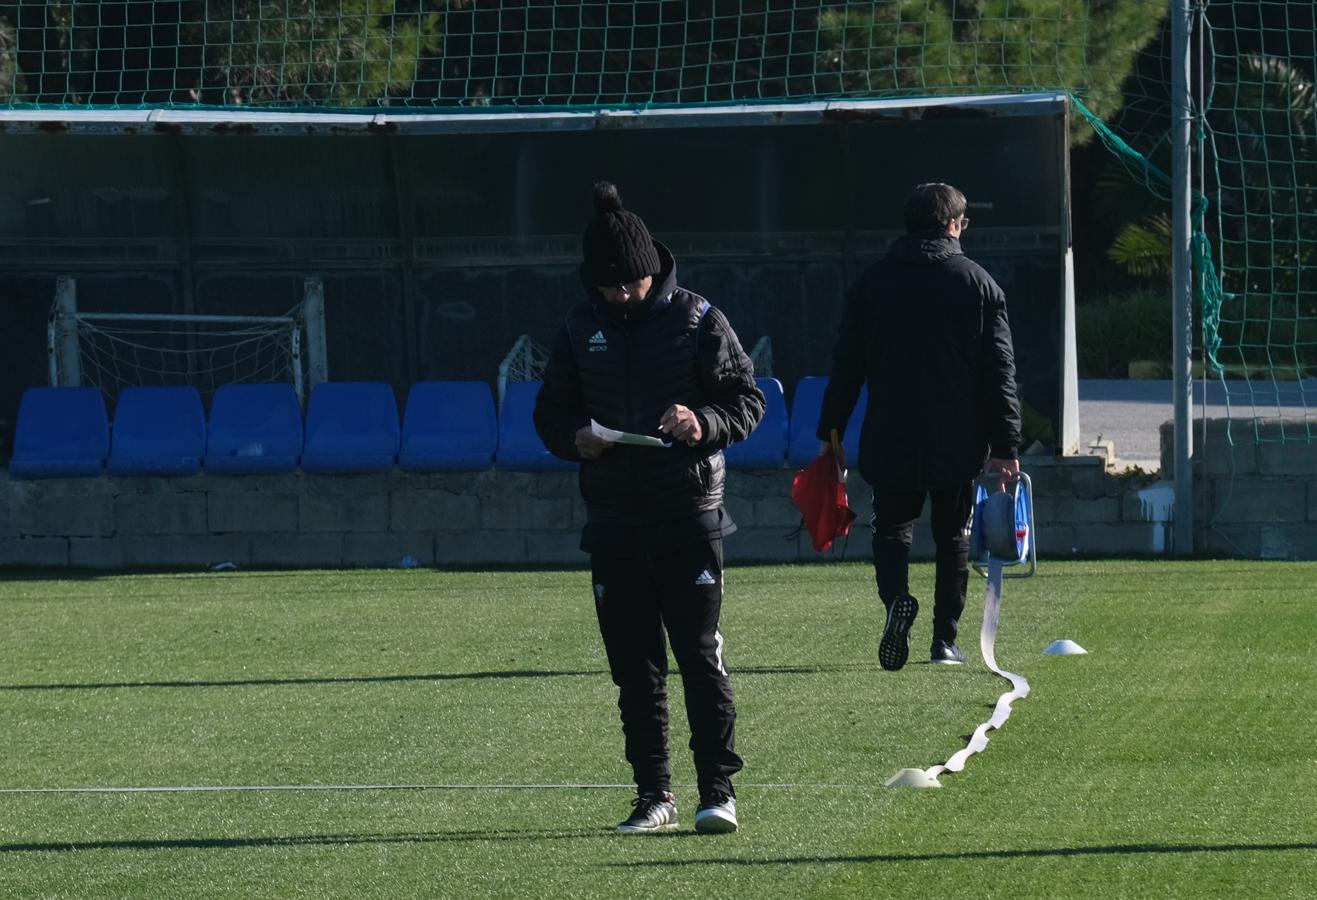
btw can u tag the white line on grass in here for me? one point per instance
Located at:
(255, 788)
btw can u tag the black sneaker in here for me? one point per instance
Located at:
(651, 812)
(894, 649)
(717, 815)
(946, 654)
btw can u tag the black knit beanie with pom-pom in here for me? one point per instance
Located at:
(616, 245)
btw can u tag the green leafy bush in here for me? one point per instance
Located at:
(1111, 332)
(1129, 335)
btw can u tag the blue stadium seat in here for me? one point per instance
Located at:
(803, 445)
(351, 426)
(62, 432)
(253, 429)
(449, 426)
(766, 448)
(519, 446)
(157, 431)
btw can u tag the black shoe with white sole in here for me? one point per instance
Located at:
(651, 812)
(948, 654)
(894, 649)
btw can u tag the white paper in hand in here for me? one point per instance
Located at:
(624, 437)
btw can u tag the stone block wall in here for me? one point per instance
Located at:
(1255, 486)
(1255, 498)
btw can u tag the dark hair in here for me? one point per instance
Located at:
(932, 205)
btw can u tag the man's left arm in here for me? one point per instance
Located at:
(999, 397)
(734, 402)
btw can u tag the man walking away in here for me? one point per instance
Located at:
(926, 328)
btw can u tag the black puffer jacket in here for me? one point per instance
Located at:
(623, 367)
(927, 328)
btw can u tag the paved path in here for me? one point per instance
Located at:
(1129, 413)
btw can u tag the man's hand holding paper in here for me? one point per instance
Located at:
(611, 436)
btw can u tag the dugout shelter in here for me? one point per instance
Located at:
(434, 240)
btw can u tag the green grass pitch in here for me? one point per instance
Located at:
(1177, 759)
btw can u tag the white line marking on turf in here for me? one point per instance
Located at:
(259, 788)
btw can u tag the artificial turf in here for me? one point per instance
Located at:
(1176, 759)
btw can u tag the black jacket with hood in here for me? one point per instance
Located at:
(927, 328)
(623, 366)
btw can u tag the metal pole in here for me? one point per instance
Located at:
(313, 314)
(67, 370)
(1200, 121)
(1182, 275)
(295, 345)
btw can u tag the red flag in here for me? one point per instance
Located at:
(819, 492)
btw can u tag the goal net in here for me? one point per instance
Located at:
(112, 351)
(524, 362)
(761, 357)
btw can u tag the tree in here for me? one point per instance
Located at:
(260, 52)
(9, 78)
(303, 53)
(67, 52)
(654, 51)
(960, 46)
(1262, 118)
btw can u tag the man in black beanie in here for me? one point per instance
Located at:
(643, 356)
(926, 327)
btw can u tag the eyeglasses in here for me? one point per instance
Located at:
(964, 222)
(630, 288)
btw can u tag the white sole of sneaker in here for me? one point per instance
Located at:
(635, 829)
(715, 823)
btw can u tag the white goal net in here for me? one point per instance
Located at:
(761, 357)
(112, 351)
(524, 362)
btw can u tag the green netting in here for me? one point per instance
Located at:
(1256, 215)
(422, 54)
(1260, 140)
(1254, 211)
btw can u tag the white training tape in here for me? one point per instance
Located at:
(987, 645)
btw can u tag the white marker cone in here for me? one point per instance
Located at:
(1065, 648)
(912, 778)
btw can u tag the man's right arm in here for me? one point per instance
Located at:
(560, 404)
(848, 370)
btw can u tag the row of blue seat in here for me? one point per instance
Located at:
(350, 427)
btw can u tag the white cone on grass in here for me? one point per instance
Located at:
(912, 778)
(1065, 648)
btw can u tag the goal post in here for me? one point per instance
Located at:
(62, 336)
(114, 350)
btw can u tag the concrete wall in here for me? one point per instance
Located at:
(1255, 486)
(1257, 498)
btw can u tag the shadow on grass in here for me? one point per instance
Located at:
(861, 859)
(307, 840)
(831, 669)
(390, 679)
(270, 682)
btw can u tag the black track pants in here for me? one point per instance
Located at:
(636, 600)
(894, 515)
